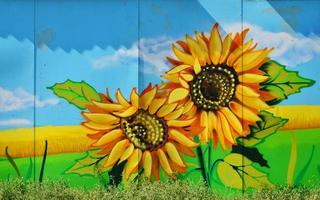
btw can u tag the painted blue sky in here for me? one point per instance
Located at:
(98, 42)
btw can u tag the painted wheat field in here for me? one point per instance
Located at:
(278, 149)
(306, 172)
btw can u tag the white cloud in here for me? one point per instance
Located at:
(153, 53)
(290, 49)
(119, 56)
(21, 99)
(15, 122)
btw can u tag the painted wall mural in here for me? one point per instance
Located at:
(227, 93)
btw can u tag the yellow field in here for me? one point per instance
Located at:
(21, 143)
(300, 116)
(62, 139)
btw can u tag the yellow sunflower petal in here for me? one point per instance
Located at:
(243, 112)
(171, 77)
(204, 123)
(134, 97)
(187, 77)
(251, 59)
(204, 48)
(226, 48)
(133, 162)
(116, 153)
(101, 118)
(174, 154)
(164, 162)
(232, 119)
(147, 163)
(252, 78)
(220, 134)
(215, 45)
(156, 104)
(197, 66)
(184, 57)
(185, 150)
(212, 123)
(180, 123)
(225, 127)
(192, 112)
(109, 137)
(164, 86)
(181, 138)
(188, 106)
(246, 91)
(178, 69)
(253, 102)
(174, 115)
(183, 83)
(247, 58)
(147, 98)
(195, 49)
(177, 94)
(166, 109)
(109, 106)
(236, 53)
(95, 126)
(121, 99)
(127, 153)
(127, 113)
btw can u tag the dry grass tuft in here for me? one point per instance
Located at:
(173, 189)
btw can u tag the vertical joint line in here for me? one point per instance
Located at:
(34, 88)
(139, 46)
(242, 42)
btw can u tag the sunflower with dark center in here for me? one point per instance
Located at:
(146, 132)
(219, 79)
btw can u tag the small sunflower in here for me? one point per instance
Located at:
(219, 78)
(146, 132)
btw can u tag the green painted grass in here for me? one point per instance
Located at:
(275, 149)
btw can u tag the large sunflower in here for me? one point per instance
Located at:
(220, 79)
(146, 131)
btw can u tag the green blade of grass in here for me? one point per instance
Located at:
(12, 162)
(43, 161)
(29, 171)
(305, 168)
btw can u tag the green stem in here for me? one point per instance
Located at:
(205, 163)
(43, 161)
(209, 163)
(201, 162)
(215, 162)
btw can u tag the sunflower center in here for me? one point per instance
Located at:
(213, 87)
(145, 131)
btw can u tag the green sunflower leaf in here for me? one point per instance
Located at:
(268, 125)
(237, 171)
(251, 153)
(79, 94)
(87, 165)
(282, 82)
(82, 170)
